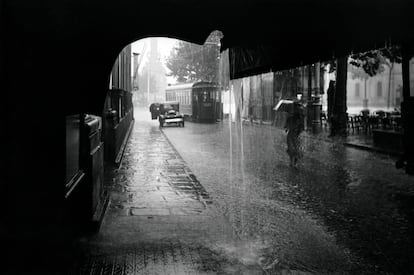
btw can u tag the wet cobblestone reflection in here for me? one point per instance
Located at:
(161, 219)
(189, 201)
(342, 210)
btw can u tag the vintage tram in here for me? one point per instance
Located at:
(200, 101)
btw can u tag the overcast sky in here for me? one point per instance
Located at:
(164, 48)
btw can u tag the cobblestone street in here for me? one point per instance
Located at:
(342, 210)
(161, 220)
(214, 199)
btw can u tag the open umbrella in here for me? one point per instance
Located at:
(284, 105)
(285, 108)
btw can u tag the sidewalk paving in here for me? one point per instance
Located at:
(161, 219)
(357, 139)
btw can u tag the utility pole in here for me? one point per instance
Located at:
(148, 85)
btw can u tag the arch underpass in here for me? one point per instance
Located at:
(55, 59)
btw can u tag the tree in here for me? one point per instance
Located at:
(189, 62)
(359, 73)
(372, 63)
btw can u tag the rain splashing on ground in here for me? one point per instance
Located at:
(221, 199)
(329, 215)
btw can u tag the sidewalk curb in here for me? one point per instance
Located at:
(206, 201)
(372, 149)
(120, 155)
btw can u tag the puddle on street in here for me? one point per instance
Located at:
(329, 214)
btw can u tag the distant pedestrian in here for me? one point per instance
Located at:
(294, 127)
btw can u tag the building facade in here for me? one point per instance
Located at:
(380, 92)
(118, 113)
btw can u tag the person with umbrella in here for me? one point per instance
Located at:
(294, 126)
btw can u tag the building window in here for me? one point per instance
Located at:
(357, 90)
(379, 89)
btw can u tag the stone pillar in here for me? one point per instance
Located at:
(339, 116)
(407, 107)
(309, 111)
(316, 102)
(314, 106)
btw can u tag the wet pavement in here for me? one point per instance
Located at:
(221, 199)
(343, 210)
(161, 220)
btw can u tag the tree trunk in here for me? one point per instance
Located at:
(365, 100)
(339, 116)
(389, 85)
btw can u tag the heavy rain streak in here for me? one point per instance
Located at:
(256, 174)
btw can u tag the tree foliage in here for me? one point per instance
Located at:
(190, 62)
(372, 62)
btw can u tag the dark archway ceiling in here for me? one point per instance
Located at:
(79, 40)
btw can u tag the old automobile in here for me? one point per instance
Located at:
(170, 114)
